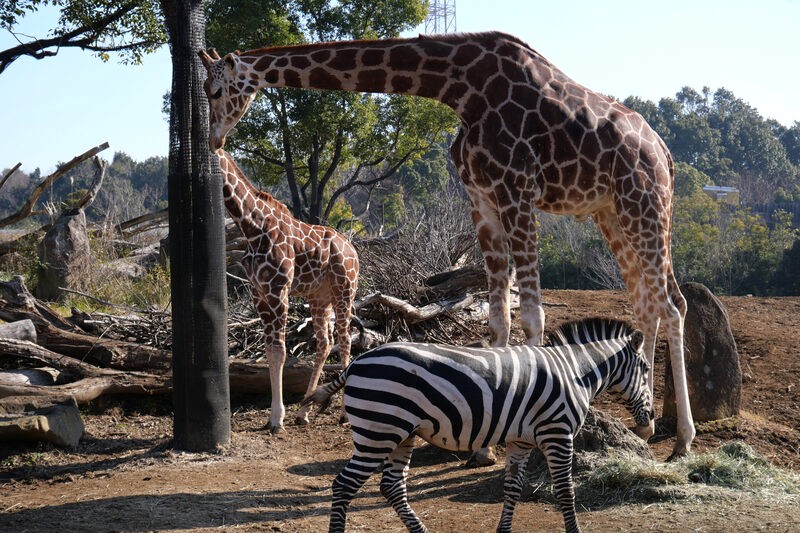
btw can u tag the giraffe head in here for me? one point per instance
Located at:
(229, 90)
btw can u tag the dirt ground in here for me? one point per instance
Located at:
(125, 477)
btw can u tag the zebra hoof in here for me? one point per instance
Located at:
(482, 457)
(343, 420)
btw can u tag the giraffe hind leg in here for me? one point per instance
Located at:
(321, 313)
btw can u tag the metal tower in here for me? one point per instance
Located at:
(441, 16)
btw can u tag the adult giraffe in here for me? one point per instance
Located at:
(530, 138)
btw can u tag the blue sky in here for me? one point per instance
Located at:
(58, 107)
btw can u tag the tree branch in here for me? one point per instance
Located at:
(27, 208)
(91, 32)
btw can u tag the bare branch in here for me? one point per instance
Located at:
(81, 37)
(9, 174)
(27, 208)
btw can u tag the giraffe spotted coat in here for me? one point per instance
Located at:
(530, 138)
(287, 256)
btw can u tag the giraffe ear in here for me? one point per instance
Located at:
(231, 60)
(205, 58)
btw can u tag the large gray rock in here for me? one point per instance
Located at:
(38, 419)
(712, 362)
(65, 257)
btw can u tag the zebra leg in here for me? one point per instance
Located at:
(557, 450)
(516, 459)
(350, 479)
(393, 485)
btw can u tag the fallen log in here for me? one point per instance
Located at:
(91, 388)
(246, 376)
(21, 330)
(413, 314)
(39, 419)
(17, 303)
(108, 353)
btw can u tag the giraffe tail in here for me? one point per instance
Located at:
(323, 394)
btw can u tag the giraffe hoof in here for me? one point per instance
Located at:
(276, 429)
(343, 420)
(301, 420)
(482, 457)
(677, 454)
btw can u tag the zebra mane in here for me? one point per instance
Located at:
(586, 330)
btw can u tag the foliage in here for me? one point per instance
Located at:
(130, 188)
(131, 28)
(326, 144)
(787, 275)
(725, 138)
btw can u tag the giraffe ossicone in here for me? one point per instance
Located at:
(530, 138)
(285, 256)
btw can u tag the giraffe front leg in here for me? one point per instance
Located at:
(516, 459)
(276, 357)
(272, 308)
(686, 430)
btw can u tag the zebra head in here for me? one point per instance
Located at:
(632, 385)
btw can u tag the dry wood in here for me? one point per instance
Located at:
(413, 314)
(17, 303)
(246, 376)
(142, 223)
(21, 330)
(459, 280)
(60, 336)
(91, 388)
(27, 207)
(91, 194)
(9, 173)
(104, 352)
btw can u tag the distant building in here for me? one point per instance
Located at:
(727, 195)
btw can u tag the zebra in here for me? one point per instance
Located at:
(463, 399)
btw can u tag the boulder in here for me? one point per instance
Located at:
(65, 256)
(713, 373)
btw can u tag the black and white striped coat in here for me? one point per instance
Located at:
(469, 398)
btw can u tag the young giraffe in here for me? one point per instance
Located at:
(530, 138)
(286, 256)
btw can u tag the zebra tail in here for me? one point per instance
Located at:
(323, 394)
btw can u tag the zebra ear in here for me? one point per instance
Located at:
(637, 340)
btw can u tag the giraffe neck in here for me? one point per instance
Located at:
(448, 68)
(251, 209)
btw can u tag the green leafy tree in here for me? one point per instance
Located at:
(129, 28)
(325, 144)
(688, 180)
(695, 238)
(787, 275)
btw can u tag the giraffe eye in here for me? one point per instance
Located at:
(216, 94)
